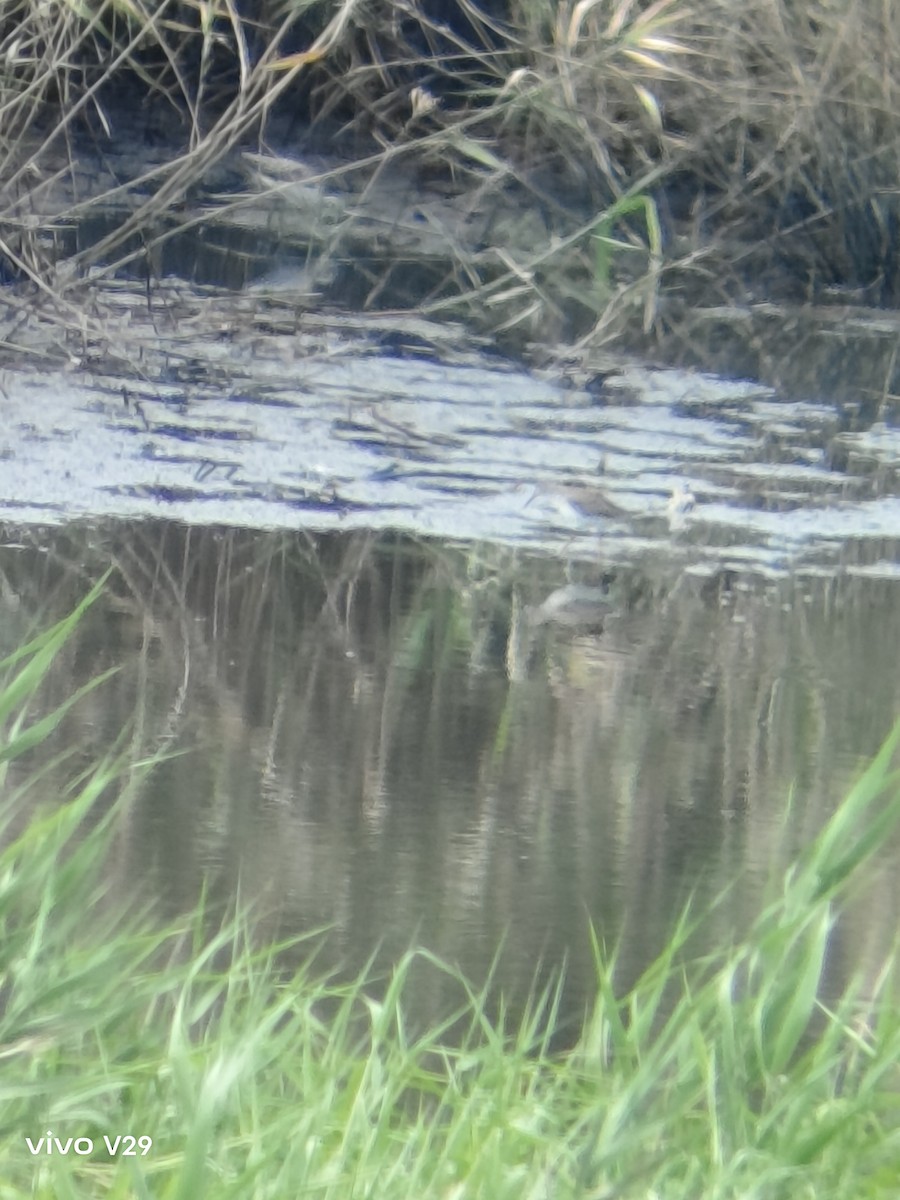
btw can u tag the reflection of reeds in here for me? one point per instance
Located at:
(241, 1070)
(326, 683)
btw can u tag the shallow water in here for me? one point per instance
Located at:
(224, 409)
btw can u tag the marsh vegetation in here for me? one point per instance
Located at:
(593, 171)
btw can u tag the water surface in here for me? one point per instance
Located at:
(378, 739)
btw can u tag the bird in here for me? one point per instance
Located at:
(588, 500)
(682, 499)
(579, 501)
(574, 606)
(582, 501)
(679, 504)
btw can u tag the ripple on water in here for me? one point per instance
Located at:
(333, 433)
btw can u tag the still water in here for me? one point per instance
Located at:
(381, 736)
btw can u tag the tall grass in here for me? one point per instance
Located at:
(753, 146)
(226, 1072)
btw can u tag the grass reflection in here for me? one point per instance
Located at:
(180, 1063)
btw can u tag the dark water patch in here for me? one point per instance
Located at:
(843, 355)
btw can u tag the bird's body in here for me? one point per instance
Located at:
(680, 503)
(575, 606)
(588, 500)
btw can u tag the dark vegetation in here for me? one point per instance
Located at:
(639, 159)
